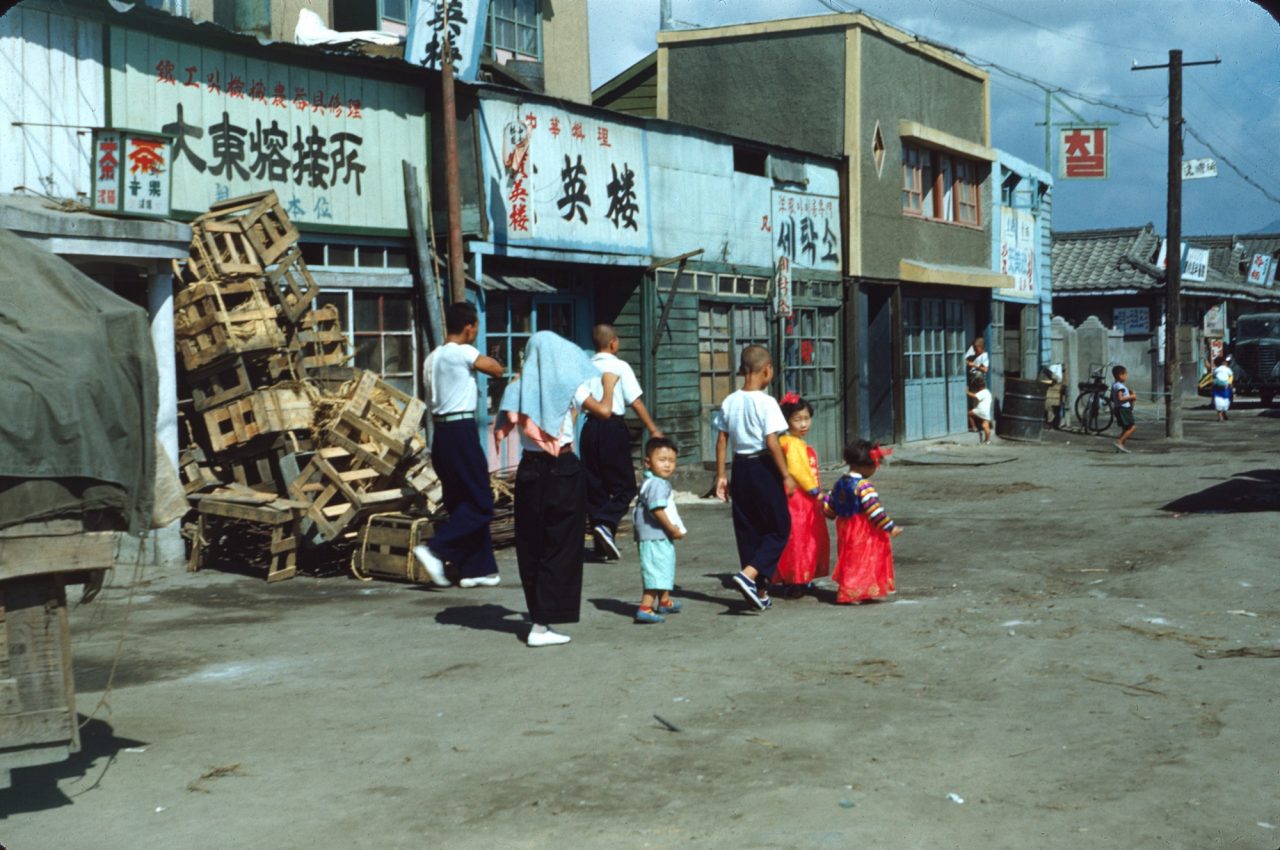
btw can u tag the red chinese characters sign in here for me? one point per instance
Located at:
(131, 173)
(1082, 153)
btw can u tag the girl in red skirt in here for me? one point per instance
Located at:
(808, 552)
(864, 555)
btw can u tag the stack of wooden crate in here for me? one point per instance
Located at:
(283, 432)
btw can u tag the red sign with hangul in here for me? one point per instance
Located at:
(1082, 153)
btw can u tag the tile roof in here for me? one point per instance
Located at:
(1228, 253)
(1087, 260)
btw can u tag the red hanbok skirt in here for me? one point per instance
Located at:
(808, 552)
(864, 561)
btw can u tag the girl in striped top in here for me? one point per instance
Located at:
(864, 561)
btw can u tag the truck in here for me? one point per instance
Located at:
(1256, 355)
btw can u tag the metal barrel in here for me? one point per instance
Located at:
(1022, 417)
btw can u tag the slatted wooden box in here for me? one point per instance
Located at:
(341, 491)
(283, 407)
(213, 321)
(291, 286)
(262, 220)
(376, 424)
(385, 549)
(321, 339)
(275, 520)
(223, 250)
(230, 378)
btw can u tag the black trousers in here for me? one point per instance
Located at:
(761, 519)
(463, 539)
(606, 462)
(550, 508)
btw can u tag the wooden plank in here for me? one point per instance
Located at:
(50, 726)
(30, 556)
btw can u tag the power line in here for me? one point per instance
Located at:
(997, 11)
(1245, 177)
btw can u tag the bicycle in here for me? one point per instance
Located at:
(1093, 405)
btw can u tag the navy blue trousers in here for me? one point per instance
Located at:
(761, 519)
(550, 507)
(463, 539)
(610, 475)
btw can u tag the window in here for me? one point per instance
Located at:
(393, 10)
(940, 186)
(510, 319)
(514, 26)
(711, 284)
(809, 352)
(749, 160)
(723, 331)
(382, 336)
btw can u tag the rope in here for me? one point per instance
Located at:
(139, 561)
(364, 545)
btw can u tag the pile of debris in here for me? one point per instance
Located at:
(288, 445)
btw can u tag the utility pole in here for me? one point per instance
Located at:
(457, 262)
(1173, 243)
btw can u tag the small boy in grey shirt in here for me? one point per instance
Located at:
(657, 525)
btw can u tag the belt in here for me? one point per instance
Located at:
(452, 417)
(749, 455)
(564, 450)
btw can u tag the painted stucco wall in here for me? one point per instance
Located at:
(784, 88)
(566, 63)
(898, 84)
(283, 18)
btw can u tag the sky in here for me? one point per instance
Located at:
(1087, 46)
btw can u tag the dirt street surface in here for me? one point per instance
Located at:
(1081, 654)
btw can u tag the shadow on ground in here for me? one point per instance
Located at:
(35, 789)
(1246, 492)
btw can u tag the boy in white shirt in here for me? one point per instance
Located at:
(606, 446)
(980, 415)
(752, 420)
(1122, 399)
(457, 457)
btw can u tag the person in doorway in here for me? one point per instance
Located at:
(657, 526)
(606, 446)
(554, 384)
(808, 552)
(1223, 378)
(977, 365)
(980, 416)
(751, 420)
(1122, 399)
(457, 457)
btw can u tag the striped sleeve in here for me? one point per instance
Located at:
(871, 506)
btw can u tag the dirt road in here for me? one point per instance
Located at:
(1074, 660)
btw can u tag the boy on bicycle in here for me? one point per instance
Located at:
(1122, 399)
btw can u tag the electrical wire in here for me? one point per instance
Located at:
(1245, 177)
(997, 11)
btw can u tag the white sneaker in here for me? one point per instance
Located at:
(481, 581)
(547, 638)
(433, 565)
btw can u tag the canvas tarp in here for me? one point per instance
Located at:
(77, 395)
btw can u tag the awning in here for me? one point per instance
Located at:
(507, 282)
(917, 132)
(914, 271)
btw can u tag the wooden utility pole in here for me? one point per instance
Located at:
(457, 262)
(1173, 243)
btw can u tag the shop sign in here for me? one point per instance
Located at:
(566, 178)
(1260, 271)
(1083, 154)
(465, 21)
(1215, 320)
(131, 173)
(1133, 321)
(782, 288)
(329, 145)
(1196, 169)
(806, 230)
(1018, 250)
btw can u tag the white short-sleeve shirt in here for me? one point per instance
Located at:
(982, 406)
(450, 373)
(749, 417)
(627, 390)
(979, 360)
(565, 436)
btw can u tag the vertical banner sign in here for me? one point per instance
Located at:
(1215, 320)
(131, 173)
(466, 21)
(1260, 269)
(1017, 250)
(806, 231)
(560, 178)
(1196, 265)
(106, 170)
(782, 287)
(1082, 153)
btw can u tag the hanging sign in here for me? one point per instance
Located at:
(1083, 154)
(1260, 269)
(1195, 266)
(131, 173)
(465, 21)
(782, 288)
(1195, 169)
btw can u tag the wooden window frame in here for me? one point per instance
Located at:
(941, 186)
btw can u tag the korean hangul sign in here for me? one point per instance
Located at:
(1134, 321)
(241, 124)
(1018, 250)
(1082, 153)
(131, 173)
(1260, 269)
(806, 231)
(560, 177)
(782, 287)
(464, 21)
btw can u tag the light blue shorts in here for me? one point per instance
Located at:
(658, 564)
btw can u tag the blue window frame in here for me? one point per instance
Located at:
(514, 26)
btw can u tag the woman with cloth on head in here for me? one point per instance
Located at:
(555, 383)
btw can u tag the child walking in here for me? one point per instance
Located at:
(1223, 378)
(864, 559)
(980, 414)
(658, 526)
(1122, 399)
(751, 419)
(808, 552)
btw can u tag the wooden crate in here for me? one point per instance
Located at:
(385, 549)
(216, 321)
(340, 491)
(262, 220)
(228, 379)
(196, 471)
(292, 287)
(420, 476)
(268, 467)
(283, 407)
(226, 247)
(322, 341)
(277, 520)
(376, 424)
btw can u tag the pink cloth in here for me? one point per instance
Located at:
(510, 421)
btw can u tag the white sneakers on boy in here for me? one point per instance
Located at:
(546, 638)
(481, 581)
(433, 565)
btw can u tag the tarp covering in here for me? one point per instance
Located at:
(77, 395)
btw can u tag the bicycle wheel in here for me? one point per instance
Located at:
(1098, 414)
(1082, 408)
